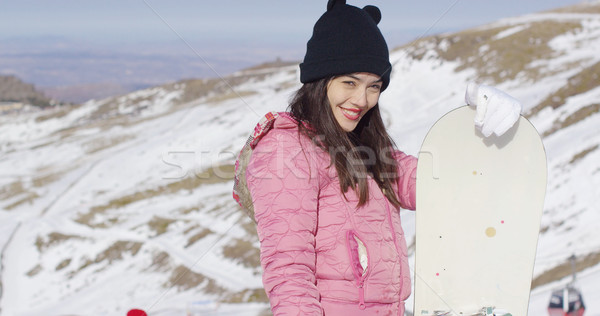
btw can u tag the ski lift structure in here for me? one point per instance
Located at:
(567, 301)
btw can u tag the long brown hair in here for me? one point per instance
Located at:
(365, 151)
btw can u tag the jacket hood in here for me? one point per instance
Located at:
(271, 120)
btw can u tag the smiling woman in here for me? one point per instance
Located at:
(352, 96)
(325, 182)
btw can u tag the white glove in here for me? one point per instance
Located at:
(497, 111)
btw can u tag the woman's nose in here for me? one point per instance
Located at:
(359, 98)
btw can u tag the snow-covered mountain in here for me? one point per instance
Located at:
(126, 202)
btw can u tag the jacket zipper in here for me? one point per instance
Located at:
(360, 277)
(361, 297)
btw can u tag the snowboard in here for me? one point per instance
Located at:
(479, 206)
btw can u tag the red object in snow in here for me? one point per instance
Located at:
(136, 312)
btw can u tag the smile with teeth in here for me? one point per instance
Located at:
(351, 114)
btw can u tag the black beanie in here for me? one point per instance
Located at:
(345, 40)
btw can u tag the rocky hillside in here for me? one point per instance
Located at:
(126, 202)
(13, 90)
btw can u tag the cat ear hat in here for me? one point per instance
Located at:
(346, 40)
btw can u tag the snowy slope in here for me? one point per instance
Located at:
(115, 188)
(126, 202)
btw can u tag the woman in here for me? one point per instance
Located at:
(325, 184)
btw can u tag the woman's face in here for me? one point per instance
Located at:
(352, 96)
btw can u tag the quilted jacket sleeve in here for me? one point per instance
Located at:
(407, 179)
(284, 193)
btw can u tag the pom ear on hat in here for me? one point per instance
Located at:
(332, 3)
(374, 12)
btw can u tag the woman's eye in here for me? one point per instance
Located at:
(350, 83)
(376, 86)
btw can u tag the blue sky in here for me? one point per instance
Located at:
(231, 21)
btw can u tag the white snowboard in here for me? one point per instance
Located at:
(479, 205)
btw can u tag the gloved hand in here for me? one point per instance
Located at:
(497, 111)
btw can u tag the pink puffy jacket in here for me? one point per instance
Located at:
(321, 255)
